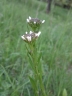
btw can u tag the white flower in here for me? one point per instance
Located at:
(28, 38)
(31, 32)
(28, 20)
(34, 22)
(23, 37)
(43, 21)
(26, 32)
(31, 36)
(37, 34)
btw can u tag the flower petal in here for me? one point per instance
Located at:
(38, 34)
(28, 38)
(31, 32)
(23, 37)
(26, 32)
(28, 20)
(34, 22)
(43, 21)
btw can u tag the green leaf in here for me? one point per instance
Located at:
(34, 83)
(64, 92)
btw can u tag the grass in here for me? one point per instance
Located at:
(55, 44)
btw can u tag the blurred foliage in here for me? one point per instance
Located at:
(61, 2)
(65, 2)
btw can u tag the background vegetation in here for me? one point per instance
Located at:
(55, 44)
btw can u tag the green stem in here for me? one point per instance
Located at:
(38, 75)
(42, 86)
(36, 69)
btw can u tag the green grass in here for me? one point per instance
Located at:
(55, 44)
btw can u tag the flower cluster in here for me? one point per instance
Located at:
(29, 37)
(35, 24)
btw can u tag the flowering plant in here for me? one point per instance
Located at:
(34, 57)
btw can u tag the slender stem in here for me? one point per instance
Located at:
(42, 86)
(37, 74)
(36, 69)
